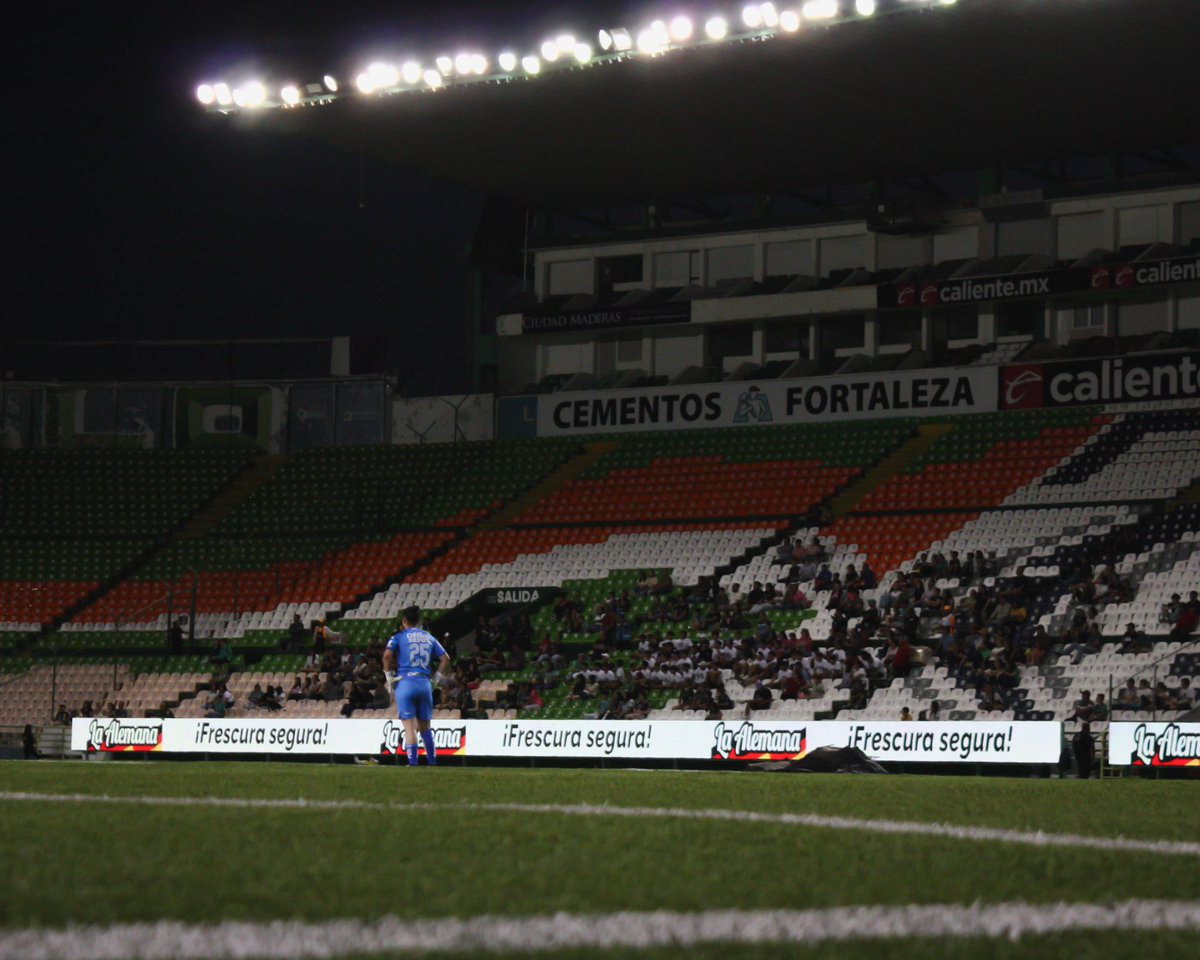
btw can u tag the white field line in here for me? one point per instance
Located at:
(293, 940)
(1185, 848)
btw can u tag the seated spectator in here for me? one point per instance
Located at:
(1186, 619)
(256, 697)
(219, 700)
(1087, 644)
(1134, 641)
(1082, 708)
(760, 700)
(1127, 698)
(905, 713)
(297, 690)
(381, 699)
(1185, 696)
(900, 658)
(63, 716)
(1169, 611)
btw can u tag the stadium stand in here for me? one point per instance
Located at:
(1031, 508)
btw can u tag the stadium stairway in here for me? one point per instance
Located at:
(896, 461)
(105, 586)
(252, 476)
(257, 472)
(400, 576)
(567, 472)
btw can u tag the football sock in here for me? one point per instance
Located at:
(412, 754)
(430, 749)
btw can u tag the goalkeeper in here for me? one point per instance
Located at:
(407, 661)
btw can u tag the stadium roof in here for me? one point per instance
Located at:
(922, 93)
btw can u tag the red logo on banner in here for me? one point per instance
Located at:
(929, 294)
(1101, 278)
(1124, 275)
(447, 741)
(1022, 386)
(113, 736)
(906, 295)
(750, 742)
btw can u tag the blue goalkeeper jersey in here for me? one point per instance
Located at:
(415, 652)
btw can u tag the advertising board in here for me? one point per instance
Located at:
(904, 393)
(1166, 744)
(729, 740)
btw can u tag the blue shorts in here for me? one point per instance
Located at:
(414, 699)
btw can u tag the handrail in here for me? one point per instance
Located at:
(121, 615)
(1113, 689)
(1165, 656)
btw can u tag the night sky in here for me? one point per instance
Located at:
(139, 216)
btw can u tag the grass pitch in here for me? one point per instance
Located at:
(88, 863)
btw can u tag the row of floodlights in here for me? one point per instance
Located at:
(565, 49)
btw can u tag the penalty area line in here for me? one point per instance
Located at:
(815, 821)
(294, 940)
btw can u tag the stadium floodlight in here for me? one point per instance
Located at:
(223, 94)
(649, 41)
(565, 43)
(622, 40)
(549, 51)
(433, 78)
(947, 3)
(583, 52)
(606, 40)
(290, 94)
(770, 16)
(716, 28)
(681, 28)
(206, 94)
(864, 8)
(507, 61)
(531, 65)
(250, 95)
(365, 82)
(330, 82)
(752, 16)
(445, 65)
(789, 21)
(411, 72)
(820, 9)
(464, 64)
(479, 64)
(383, 75)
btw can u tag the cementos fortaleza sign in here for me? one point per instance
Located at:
(755, 403)
(1153, 377)
(1154, 744)
(729, 740)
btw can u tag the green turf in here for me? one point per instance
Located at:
(69, 862)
